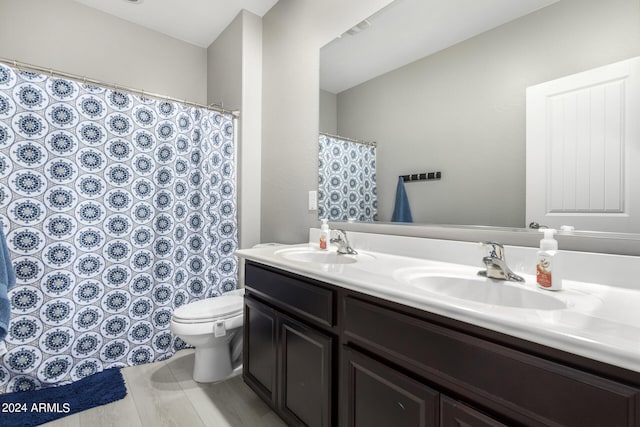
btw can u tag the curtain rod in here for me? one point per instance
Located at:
(82, 79)
(357, 141)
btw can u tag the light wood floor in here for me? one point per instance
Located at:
(165, 394)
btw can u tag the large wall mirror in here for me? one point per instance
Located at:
(440, 86)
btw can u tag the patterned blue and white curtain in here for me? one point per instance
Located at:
(346, 180)
(117, 209)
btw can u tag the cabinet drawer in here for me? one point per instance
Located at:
(526, 388)
(303, 297)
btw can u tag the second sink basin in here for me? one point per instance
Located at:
(466, 285)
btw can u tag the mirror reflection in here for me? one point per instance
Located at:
(441, 86)
(346, 179)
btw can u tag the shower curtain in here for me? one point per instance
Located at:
(117, 209)
(346, 180)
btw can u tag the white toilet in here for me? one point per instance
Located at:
(214, 327)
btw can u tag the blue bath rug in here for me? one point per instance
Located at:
(32, 408)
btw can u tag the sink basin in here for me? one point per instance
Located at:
(471, 287)
(320, 257)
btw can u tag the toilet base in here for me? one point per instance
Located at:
(212, 364)
(237, 370)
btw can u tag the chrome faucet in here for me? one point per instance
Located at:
(496, 265)
(344, 248)
(534, 225)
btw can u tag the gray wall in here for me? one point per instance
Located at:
(251, 131)
(224, 67)
(462, 111)
(70, 37)
(235, 78)
(293, 31)
(328, 112)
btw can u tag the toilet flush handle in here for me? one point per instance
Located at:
(219, 330)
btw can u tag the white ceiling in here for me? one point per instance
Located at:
(198, 22)
(408, 30)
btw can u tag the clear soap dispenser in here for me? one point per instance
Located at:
(325, 236)
(548, 274)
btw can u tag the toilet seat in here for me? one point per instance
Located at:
(210, 310)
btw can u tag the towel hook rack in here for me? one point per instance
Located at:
(426, 176)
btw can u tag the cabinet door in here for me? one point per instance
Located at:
(376, 395)
(259, 352)
(456, 414)
(306, 376)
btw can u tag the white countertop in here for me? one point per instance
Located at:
(601, 322)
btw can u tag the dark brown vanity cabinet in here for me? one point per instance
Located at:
(322, 355)
(290, 347)
(522, 388)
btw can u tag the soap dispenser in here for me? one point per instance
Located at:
(325, 236)
(548, 275)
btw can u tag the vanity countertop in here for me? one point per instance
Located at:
(601, 322)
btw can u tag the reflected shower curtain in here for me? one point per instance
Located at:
(346, 180)
(117, 209)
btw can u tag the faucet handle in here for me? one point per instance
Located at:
(339, 234)
(494, 250)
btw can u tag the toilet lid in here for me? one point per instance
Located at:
(210, 309)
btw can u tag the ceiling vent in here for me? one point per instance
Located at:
(358, 28)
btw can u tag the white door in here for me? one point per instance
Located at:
(583, 150)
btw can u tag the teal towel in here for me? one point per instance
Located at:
(401, 209)
(7, 280)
